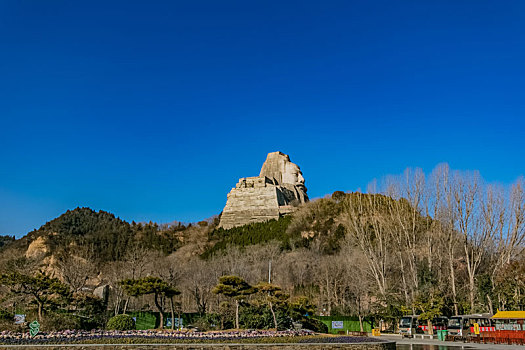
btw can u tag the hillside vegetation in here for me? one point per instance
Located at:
(444, 243)
(251, 234)
(100, 236)
(5, 240)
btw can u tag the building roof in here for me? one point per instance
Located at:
(509, 314)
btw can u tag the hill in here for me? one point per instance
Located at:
(98, 236)
(5, 240)
(405, 250)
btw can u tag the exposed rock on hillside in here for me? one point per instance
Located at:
(38, 248)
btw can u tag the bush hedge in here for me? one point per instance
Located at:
(121, 323)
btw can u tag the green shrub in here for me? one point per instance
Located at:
(207, 322)
(260, 317)
(257, 317)
(314, 325)
(250, 234)
(54, 321)
(6, 315)
(121, 323)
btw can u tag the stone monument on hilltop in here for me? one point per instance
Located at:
(274, 193)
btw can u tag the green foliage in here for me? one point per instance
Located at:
(485, 288)
(390, 308)
(275, 299)
(315, 221)
(97, 235)
(301, 309)
(350, 323)
(226, 315)
(101, 237)
(509, 285)
(145, 320)
(431, 305)
(148, 285)
(5, 240)
(208, 322)
(152, 237)
(42, 289)
(6, 315)
(338, 196)
(251, 234)
(271, 293)
(57, 321)
(314, 325)
(121, 323)
(233, 287)
(256, 317)
(90, 309)
(40, 285)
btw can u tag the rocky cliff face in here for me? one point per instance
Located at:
(275, 192)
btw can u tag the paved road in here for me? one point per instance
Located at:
(398, 340)
(454, 345)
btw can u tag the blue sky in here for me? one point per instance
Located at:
(153, 109)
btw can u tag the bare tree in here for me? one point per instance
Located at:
(478, 220)
(510, 237)
(445, 221)
(363, 217)
(199, 278)
(407, 224)
(75, 271)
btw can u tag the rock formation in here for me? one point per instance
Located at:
(275, 192)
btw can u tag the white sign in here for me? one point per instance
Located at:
(20, 319)
(337, 324)
(178, 322)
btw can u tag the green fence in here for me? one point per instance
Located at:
(150, 320)
(144, 320)
(349, 323)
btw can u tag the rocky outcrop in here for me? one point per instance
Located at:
(38, 248)
(277, 190)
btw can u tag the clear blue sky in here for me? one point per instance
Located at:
(152, 110)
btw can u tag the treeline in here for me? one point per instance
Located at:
(99, 236)
(251, 234)
(5, 240)
(443, 243)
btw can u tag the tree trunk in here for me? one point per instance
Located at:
(273, 314)
(172, 314)
(126, 306)
(159, 309)
(236, 314)
(430, 327)
(359, 313)
(472, 287)
(117, 305)
(403, 279)
(491, 307)
(40, 310)
(453, 283)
